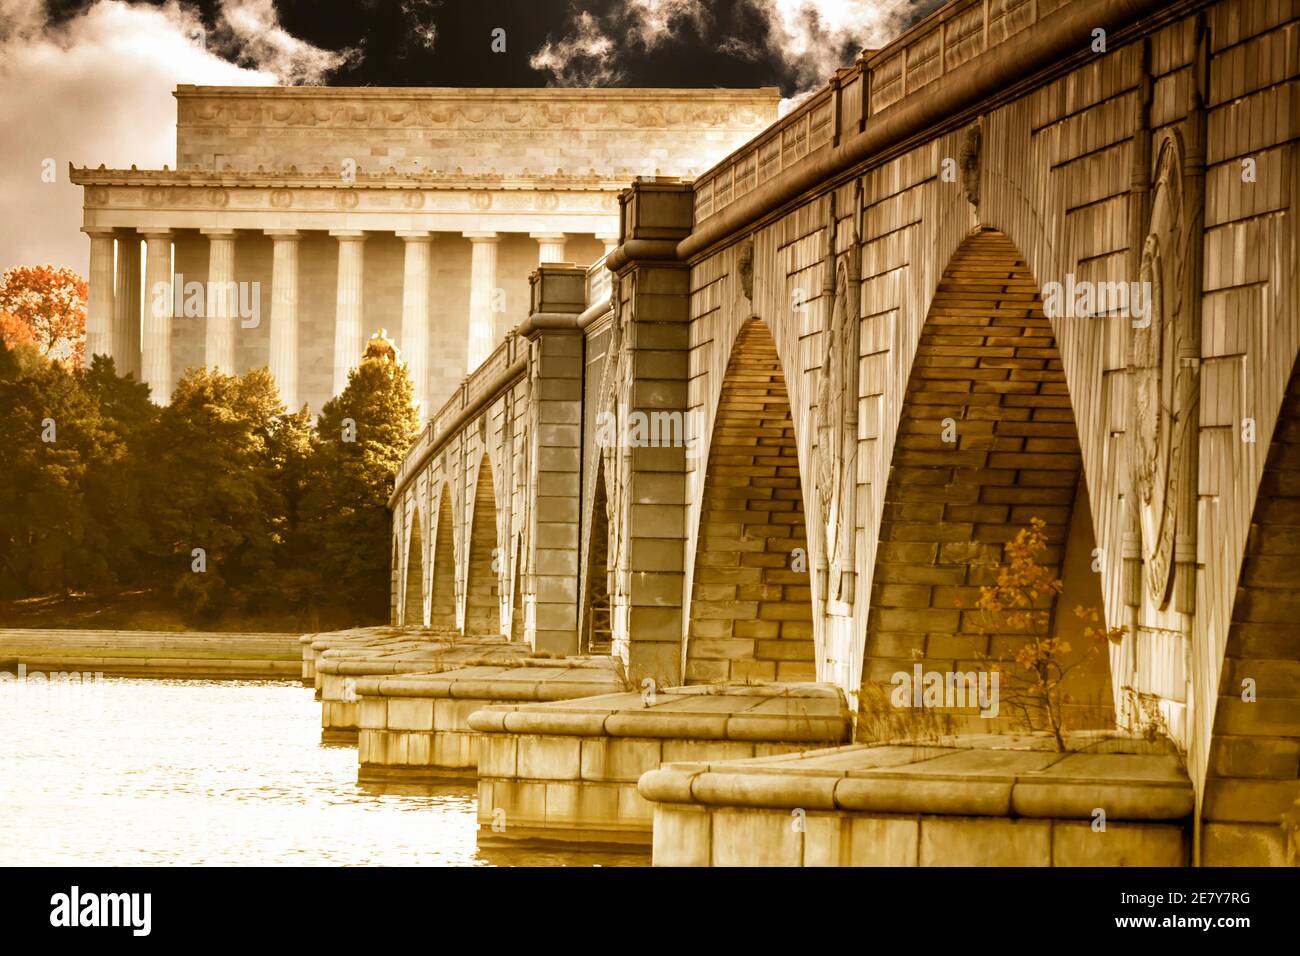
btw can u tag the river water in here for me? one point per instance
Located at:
(127, 772)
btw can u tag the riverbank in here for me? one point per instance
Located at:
(147, 609)
(209, 655)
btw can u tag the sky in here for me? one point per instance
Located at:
(90, 81)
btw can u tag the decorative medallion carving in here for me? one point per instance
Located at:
(746, 268)
(1158, 423)
(837, 417)
(968, 161)
(345, 199)
(281, 198)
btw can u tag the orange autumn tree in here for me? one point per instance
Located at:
(14, 331)
(51, 303)
(1019, 602)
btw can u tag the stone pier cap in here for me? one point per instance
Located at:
(375, 636)
(525, 679)
(406, 658)
(790, 713)
(978, 776)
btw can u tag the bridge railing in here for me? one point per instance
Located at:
(921, 56)
(492, 375)
(486, 376)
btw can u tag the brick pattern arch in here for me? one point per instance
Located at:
(413, 609)
(482, 601)
(442, 607)
(751, 614)
(1253, 776)
(986, 441)
(597, 628)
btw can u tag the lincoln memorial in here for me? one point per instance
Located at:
(300, 220)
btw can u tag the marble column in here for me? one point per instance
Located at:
(550, 246)
(609, 242)
(282, 349)
(156, 347)
(126, 305)
(99, 297)
(414, 344)
(348, 304)
(222, 301)
(483, 283)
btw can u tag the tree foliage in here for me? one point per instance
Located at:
(1020, 602)
(223, 499)
(363, 434)
(50, 303)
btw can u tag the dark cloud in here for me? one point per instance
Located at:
(792, 44)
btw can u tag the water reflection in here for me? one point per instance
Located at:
(150, 772)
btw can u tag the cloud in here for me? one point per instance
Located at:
(649, 21)
(584, 58)
(262, 44)
(589, 56)
(97, 88)
(816, 37)
(806, 40)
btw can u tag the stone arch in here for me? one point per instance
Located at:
(1254, 760)
(482, 587)
(442, 604)
(986, 441)
(413, 596)
(597, 624)
(751, 614)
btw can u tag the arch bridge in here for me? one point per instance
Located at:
(1034, 259)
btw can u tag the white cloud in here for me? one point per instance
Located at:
(583, 58)
(98, 89)
(811, 35)
(649, 21)
(588, 56)
(265, 45)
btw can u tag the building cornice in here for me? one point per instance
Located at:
(330, 178)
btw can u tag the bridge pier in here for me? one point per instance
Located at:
(555, 375)
(647, 393)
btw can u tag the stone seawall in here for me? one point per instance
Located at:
(196, 655)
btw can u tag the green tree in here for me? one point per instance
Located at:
(211, 490)
(50, 433)
(363, 435)
(119, 533)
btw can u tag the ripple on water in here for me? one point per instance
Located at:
(146, 772)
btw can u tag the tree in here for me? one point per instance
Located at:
(1020, 602)
(211, 490)
(51, 433)
(51, 303)
(364, 433)
(14, 331)
(119, 531)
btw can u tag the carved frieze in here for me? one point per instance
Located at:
(219, 110)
